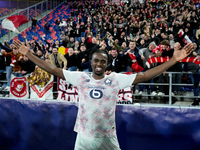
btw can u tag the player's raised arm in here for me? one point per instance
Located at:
(25, 50)
(177, 56)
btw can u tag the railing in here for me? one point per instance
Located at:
(170, 84)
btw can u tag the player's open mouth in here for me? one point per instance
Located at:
(98, 69)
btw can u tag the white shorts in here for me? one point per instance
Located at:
(90, 143)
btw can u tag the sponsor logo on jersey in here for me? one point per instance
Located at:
(96, 94)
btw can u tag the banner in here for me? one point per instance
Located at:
(43, 93)
(66, 92)
(19, 87)
(125, 96)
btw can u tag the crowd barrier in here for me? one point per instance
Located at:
(123, 98)
(170, 84)
(40, 125)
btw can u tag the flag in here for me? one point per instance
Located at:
(42, 93)
(135, 66)
(19, 87)
(12, 22)
(63, 50)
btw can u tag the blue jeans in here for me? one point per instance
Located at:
(78, 39)
(18, 74)
(63, 28)
(176, 78)
(33, 28)
(73, 68)
(152, 87)
(1, 71)
(82, 34)
(195, 78)
(9, 70)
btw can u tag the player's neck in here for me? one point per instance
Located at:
(98, 77)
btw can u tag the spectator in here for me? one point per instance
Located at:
(2, 68)
(176, 78)
(6, 85)
(49, 45)
(129, 61)
(115, 62)
(34, 23)
(195, 76)
(135, 51)
(146, 53)
(57, 22)
(38, 46)
(82, 29)
(57, 59)
(47, 28)
(56, 44)
(76, 45)
(78, 33)
(73, 63)
(84, 58)
(40, 54)
(164, 46)
(63, 25)
(15, 58)
(171, 40)
(2, 62)
(70, 42)
(198, 36)
(27, 65)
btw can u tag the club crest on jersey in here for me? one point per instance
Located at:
(108, 82)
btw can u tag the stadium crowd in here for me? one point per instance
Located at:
(132, 34)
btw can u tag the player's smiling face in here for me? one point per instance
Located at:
(99, 63)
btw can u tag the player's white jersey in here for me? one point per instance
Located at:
(97, 101)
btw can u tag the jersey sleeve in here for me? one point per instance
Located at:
(125, 80)
(72, 76)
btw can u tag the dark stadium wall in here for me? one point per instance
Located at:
(40, 125)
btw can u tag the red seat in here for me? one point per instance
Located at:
(41, 32)
(35, 38)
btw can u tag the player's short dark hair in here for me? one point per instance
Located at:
(99, 51)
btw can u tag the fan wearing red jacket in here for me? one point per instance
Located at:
(164, 46)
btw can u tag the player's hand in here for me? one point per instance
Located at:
(184, 52)
(21, 47)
